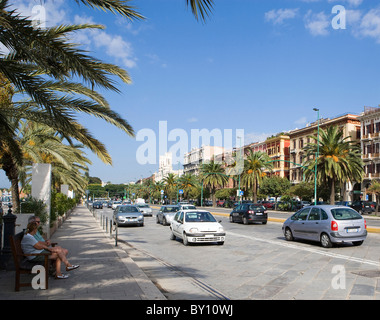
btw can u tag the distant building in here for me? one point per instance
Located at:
(197, 157)
(166, 167)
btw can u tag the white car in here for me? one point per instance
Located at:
(196, 226)
(145, 209)
(115, 204)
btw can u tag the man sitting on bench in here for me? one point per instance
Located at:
(30, 245)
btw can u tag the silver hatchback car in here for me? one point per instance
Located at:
(327, 224)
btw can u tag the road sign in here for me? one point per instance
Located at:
(180, 191)
(162, 192)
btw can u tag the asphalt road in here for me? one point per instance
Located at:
(256, 262)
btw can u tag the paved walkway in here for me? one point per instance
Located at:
(106, 272)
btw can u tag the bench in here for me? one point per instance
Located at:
(23, 265)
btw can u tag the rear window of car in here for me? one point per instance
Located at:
(172, 209)
(256, 206)
(128, 209)
(345, 214)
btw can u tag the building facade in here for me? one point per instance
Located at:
(370, 145)
(194, 159)
(299, 138)
(166, 167)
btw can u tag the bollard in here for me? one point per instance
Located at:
(9, 221)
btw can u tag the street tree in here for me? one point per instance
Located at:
(339, 159)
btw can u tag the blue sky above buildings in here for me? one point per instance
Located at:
(257, 65)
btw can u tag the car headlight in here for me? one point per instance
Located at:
(220, 229)
(194, 230)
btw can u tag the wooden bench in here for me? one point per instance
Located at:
(23, 265)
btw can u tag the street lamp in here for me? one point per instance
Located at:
(316, 160)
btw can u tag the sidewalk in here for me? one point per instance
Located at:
(106, 272)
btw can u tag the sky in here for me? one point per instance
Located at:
(255, 65)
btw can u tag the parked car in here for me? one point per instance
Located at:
(97, 205)
(364, 206)
(268, 204)
(145, 209)
(249, 213)
(343, 203)
(126, 215)
(327, 224)
(166, 214)
(196, 226)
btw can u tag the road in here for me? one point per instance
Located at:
(254, 263)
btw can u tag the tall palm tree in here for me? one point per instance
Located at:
(213, 176)
(339, 159)
(254, 166)
(171, 185)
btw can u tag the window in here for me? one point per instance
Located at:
(314, 214)
(301, 215)
(324, 215)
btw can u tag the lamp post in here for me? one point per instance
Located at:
(316, 160)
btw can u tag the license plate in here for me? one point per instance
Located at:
(209, 235)
(352, 230)
(259, 213)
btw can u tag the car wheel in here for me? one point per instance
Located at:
(172, 236)
(185, 240)
(289, 234)
(264, 222)
(245, 221)
(164, 222)
(157, 220)
(232, 219)
(325, 241)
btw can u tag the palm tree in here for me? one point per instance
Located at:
(213, 175)
(254, 166)
(41, 144)
(171, 185)
(187, 182)
(339, 159)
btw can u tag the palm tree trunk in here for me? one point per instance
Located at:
(255, 191)
(11, 172)
(332, 192)
(213, 197)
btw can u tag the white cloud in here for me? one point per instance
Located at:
(317, 23)
(353, 3)
(280, 15)
(56, 13)
(370, 25)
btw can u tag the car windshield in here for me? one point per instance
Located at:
(172, 209)
(199, 217)
(128, 209)
(345, 214)
(143, 205)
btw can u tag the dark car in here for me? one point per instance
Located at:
(249, 213)
(97, 205)
(363, 206)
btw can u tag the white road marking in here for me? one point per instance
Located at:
(309, 249)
